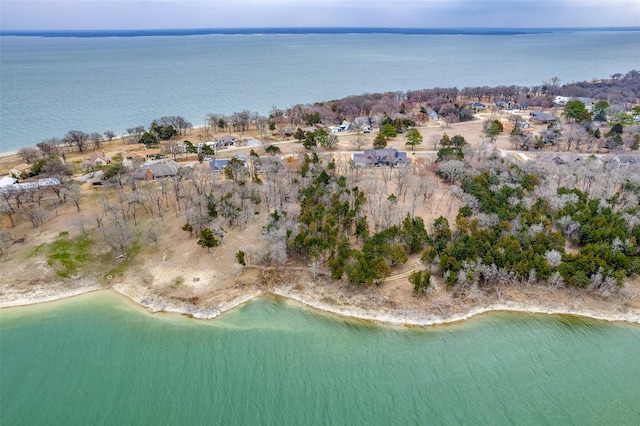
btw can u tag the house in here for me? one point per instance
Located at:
(30, 186)
(564, 159)
(136, 157)
(387, 157)
(20, 188)
(98, 159)
(362, 123)
(6, 181)
(156, 170)
(432, 114)
(310, 129)
(503, 104)
(227, 140)
(48, 183)
(252, 142)
(626, 160)
(542, 117)
(95, 178)
(345, 126)
(477, 105)
(561, 100)
(514, 120)
(588, 103)
(218, 165)
(20, 171)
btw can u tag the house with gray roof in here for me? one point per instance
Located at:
(217, 165)
(626, 160)
(432, 114)
(227, 140)
(542, 117)
(156, 170)
(362, 123)
(387, 157)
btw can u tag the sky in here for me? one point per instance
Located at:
(174, 14)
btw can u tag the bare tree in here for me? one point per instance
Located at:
(76, 138)
(36, 215)
(151, 232)
(118, 235)
(72, 192)
(135, 133)
(261, 123)
(574, 133)
(29, 154)
(177, 122)
(49, 147)
(79, 222)
(358, 142)
(96, 140)
(278, 253)
(314, 266)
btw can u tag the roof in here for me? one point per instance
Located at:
(252, 142)
(89, 176)
(157, 169)
(381, 157)
(227, 138)
(48, 182)
(432, 114)
(6, 180)
(95, 155)
(542, 116)
(627, 159)
(361, 121)
(21, 167)
(30, 186)
(218, 164)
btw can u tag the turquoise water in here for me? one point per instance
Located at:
(97, 359)
(49, 86)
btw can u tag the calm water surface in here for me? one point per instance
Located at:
(49, 86)
(98, 360)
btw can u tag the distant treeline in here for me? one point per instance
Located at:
(452, 104)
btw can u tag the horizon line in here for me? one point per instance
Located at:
(306, 30)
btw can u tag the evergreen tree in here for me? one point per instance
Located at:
(380, 141)
(207, 239)
(413, 138)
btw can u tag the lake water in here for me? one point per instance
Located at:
(50, 85)
(97, 359)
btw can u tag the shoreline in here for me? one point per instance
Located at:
(411, 318)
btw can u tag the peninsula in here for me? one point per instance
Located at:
(410, 208)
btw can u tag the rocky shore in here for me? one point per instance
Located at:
(389, 304)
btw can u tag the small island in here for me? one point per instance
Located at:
(411, 208)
